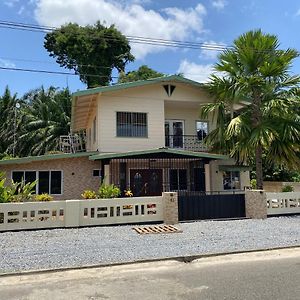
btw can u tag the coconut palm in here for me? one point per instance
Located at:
(255, 102)
(47, 118)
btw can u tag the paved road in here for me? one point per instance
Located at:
(261, 275)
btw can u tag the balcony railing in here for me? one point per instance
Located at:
(185, 142)
(72, 143)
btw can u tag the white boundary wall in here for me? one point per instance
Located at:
(76, 213)
(283, 203)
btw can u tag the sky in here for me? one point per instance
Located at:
(209, 21)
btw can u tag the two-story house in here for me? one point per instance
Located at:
(146, 136)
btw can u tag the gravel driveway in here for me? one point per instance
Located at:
(56, 248)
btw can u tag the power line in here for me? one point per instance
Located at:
(52, 72)
(132, 39)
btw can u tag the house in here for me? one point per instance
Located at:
(146, 136)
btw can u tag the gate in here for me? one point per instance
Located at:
(199, 206)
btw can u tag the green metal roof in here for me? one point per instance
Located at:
(127, 85)
(29, 159)
(157, 151)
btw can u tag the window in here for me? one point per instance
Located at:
(96, 173)
(132, 124)
(48, 181)
(202, 129)
(178, 179)
(27, 176)
(231, 180)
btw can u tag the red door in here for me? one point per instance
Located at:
(145, 182)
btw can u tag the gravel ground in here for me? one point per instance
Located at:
(56, 248)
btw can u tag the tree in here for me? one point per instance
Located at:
(256, 81)
(48, 116)
(142, 73)
(11, 122)
(91, 51)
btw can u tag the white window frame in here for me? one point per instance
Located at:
(37, 178)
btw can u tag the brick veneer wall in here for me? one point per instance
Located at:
(77, 174)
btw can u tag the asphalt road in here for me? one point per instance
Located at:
(260, 275)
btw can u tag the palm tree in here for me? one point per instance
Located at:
(255, 102)
(48, 117)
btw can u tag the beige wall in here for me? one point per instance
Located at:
(77, 174)
(184, 104)
(216, 176)
(276, 186)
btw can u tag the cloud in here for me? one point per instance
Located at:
(10, 3)
(197, 72)
(131, 19)
(211, 50)
(219, 4)
(4, 63)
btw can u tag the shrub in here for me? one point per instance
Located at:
(253, 184)
(109, 191)
(287, 188)
(43, 197)
(89, 194)
(24, 191)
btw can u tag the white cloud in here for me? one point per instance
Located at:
(197, 72)
(6, 63)
(10, 3)
(219, 4)
(131, 19)
(211, 50)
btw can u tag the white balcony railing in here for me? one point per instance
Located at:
(185, 142)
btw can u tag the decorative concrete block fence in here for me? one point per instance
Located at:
(79, 213)
(283, 203)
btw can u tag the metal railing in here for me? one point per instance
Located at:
(185, 142)
(72, 143)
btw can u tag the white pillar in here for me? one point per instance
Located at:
(207, 178)
(106, 178)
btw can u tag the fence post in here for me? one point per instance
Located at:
(72, 213)
(170, 207)
(256, 204)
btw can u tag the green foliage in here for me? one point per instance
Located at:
(107, 191)
(6, 192)
(91, 51)
(142, 73)
(24, 191)
(287, 188)
(253, 183)
(43, 197)
(256, 79)
(89, 194)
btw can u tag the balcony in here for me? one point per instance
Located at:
(72, 143)
(185, 142)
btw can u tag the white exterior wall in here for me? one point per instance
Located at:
(216, 176)
(184, 104)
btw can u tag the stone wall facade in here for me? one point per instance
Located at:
(256, 204)
(77, 174)
(170, 207)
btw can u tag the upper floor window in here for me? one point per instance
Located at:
(202, 129)
(132, 124)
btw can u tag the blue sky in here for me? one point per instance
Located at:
(207, 21)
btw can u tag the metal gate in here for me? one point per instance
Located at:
(200, 206)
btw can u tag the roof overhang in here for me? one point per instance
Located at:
(29, 159)
(82, 108)
(158, 153)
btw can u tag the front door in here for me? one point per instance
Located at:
(174, 133)
(146, 182)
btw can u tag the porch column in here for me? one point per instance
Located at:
(106, 178)
(207, 177)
